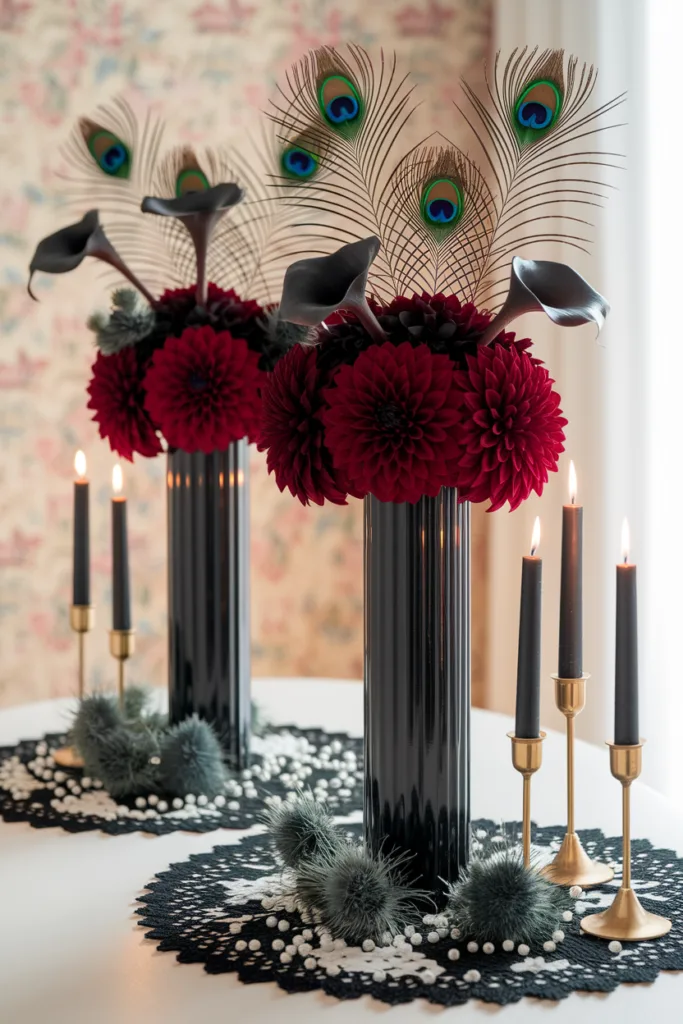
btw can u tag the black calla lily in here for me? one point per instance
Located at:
(64, 250)
(543, 286)
(199, 213)
(315, 288)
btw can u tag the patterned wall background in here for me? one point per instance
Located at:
(208, 67)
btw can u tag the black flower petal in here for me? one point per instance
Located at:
(543, 286)
(208, 201)
(315, 288)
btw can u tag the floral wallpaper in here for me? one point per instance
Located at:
(208, 67)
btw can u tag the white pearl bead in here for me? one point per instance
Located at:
(615, 947)
(190, 798)
(162, 807)
(240, 945)
(409, 930)
(340, 943)
(140, 802)
(549, 946)
(558, 936)
(177, 803)
(307, 934)
(310, 963)
(277, 945)
(234, 805)
(442, 933)
(428, 977)
(472, 947)
(416, 939)
(575, 891)
(454, 954)
(86, 782)
(219, 800)
(41, 749)
(508, 945)
(433, 937)
(455, 933)
(386, 939)
(285, 958)
(152, 800)
(271, 922)
(488, 947)
(297, 940)
(254, 945)
(332, 971)
(283, 926)
(58, 776)
(60, 791)
(472, 975)
(368, 945)
(567, 915)
(151, 813)
(379, 976)
(76, 790)
(523, 949)
(235, 927)
(305, 948)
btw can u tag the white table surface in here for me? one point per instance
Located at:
(72, 953)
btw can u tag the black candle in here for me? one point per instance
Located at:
(626, 672)
(81, 567)
(570, 661)
(121, 579)
(527, 716)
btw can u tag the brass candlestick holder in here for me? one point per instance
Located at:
(572, 865)
(82, 620)
(526, 758)
(626, 920)
(121, 646)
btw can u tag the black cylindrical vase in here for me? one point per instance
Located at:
(208, 593)
(417, 683)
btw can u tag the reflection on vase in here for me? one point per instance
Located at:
(417, 683)
(208, 593)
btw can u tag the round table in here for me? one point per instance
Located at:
(72, 952)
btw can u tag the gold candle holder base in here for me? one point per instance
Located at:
(527, 755)
(81, 620)
(572, 865)
(121, 646)
(626, 920)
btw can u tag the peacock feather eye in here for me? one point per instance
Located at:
(110, 153)
(340, 102)
(297, 162)
(442, 204)
(191, 179)
(537, 110)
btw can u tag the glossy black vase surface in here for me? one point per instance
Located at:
(417, 683)
(208, 593)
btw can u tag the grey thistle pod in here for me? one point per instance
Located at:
(542, 286)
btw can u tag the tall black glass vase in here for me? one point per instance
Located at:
(417, 683)
(208, 593)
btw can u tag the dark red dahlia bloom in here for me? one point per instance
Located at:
(510, 433)
(389, 425)
(203, 390)
(442, 322)
(118, 400)
(292, 430)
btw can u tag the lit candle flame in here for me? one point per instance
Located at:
(117, 479)
(80, 464)
(536, 536)
(625, 541)
(572, 484)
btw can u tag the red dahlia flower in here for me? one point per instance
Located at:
(510, 432)
(203, 390)
(118, 399)
(389, 425)
(292, 430)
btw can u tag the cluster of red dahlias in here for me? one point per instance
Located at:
(196, 380)
(425, 409)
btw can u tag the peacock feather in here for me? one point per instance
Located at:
(536, 131)
(444, 224)
(339, 122)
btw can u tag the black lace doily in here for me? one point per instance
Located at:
(229, 910)
(285, 760)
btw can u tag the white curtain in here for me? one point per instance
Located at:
(609, 388)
